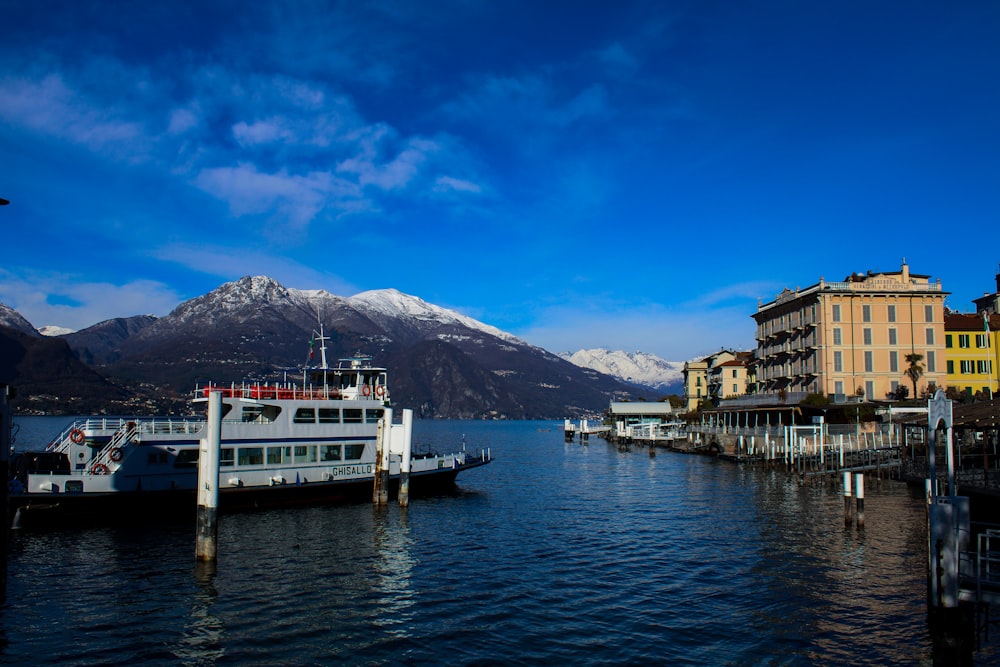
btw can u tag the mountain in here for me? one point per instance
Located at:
(12, 319)
(441, 363)
(100, 343)
(52, 330)
(638, 368)
(44, 372)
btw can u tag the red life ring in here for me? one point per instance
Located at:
(116, 454)
(99, 469)
(76, 435)
(366, 390)
(380, 391)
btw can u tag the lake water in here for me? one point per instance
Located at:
(555, 553)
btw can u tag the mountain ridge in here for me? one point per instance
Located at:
(442, 363)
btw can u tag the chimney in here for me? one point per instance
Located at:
(906, 272)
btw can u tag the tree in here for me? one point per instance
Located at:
(915, 371)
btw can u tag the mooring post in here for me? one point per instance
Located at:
(404, 466)
(206, 548)
(847, 499)
(380, 493)
(859, 494)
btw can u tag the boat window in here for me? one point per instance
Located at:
(305, 416)
(372, 416)
(253, 413)
(187, 458)
(330, 452)
(353, 452)
(157, 457)
(250, 456)
(329, 415)
(276, 455)
(305, 453)
(348, 380)
(226, 409)
(352, 415)
(226, 457)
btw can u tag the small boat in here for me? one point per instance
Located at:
(281, 444)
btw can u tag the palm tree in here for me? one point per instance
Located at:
(915, 370)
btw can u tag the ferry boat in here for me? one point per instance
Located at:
(281, 444)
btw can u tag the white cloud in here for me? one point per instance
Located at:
(448, 183)
(37, 297)
(51, 107)
(296, 199)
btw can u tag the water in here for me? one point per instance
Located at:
(555, 553)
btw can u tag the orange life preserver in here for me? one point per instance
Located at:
(366, 390)
(99, 469)
(76, 435)
(380, 391)
(116, 454)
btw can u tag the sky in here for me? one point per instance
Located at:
(629, 175)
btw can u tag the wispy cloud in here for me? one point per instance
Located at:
(70, 301)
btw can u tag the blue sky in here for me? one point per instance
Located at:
(629, 175)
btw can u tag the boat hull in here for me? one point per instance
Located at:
(34, 511)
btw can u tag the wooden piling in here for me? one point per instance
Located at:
(380, 492)
(859, 494)
(847, 499)
(206, 547)
(404, 466)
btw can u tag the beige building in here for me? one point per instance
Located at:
(717, 376)
(852, 338)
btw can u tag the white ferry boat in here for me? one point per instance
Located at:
(280, 445)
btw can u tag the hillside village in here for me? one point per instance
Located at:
(872, 337)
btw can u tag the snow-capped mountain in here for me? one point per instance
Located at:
(387, 305)
(53, 330)
(13, 319)
(638, 368)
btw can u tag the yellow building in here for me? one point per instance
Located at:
(696, 377)
(852, 338)
(724, 374)
(971, 348)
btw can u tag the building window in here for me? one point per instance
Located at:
(965, 367)
(836, 312)
(982, 341)
(928, 313)
(983, 367)
(735, 390)
(870, 389)
(892, 313)
(869, 362)
(892, 336)
(838, 387)
(867, 333)
(893, 387)
(951, 367)
(931, 362)
(734, 373)
(963, 340)
(947, 340)
(894, 362)
(866, 313)
(838, 362)
(837, 336)
(930, 335)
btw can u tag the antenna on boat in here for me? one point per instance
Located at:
(322, 346)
